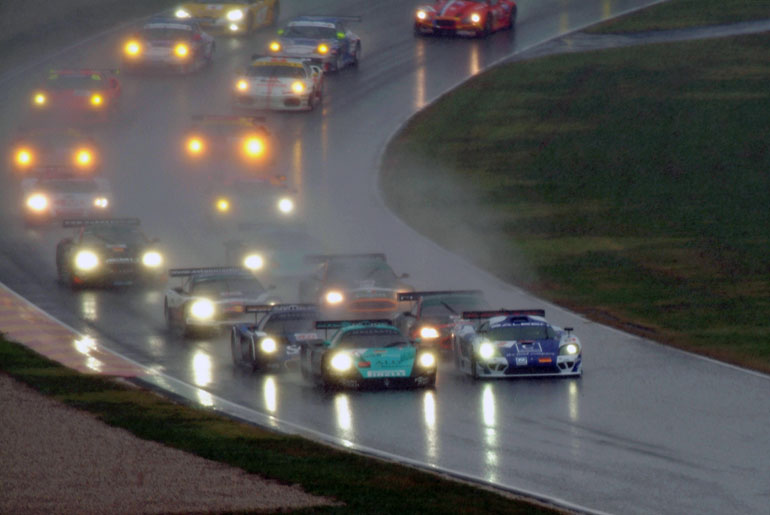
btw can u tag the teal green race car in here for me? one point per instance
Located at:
(366, 353)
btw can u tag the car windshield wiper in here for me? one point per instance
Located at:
(449, 307)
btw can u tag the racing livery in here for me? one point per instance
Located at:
(465, 17)
(509, 343)
(353, 283)
(179, 45)
(108, 251)
(280, 84)
(230, 16)
(255, 200)
(212, 297)
(54, 146)
(325, 40)
(366, 352)
(240, 141)
(275, 337)
(434, 314)
(81, 94)
(56, 192)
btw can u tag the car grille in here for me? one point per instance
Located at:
(445, 24)
(513, 370)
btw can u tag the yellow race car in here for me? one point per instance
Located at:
(231, 16)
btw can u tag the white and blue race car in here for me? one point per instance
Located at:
(514, 343)
(324, 40)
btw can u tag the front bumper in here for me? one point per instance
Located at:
(530, 366)
(275, 102)
(447, 26)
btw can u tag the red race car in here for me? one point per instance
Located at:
(465, 17)
(87, 95)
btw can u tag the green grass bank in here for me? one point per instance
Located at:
(631, 185)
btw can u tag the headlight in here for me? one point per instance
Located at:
(421, 15)
(24, 157)
(253, 262)
(334, 297)
(86, 260)
(286, 205)
(570, 349)
(268, 346)
(275, 46)
(202, 309)
(152, 259)
(242, 85)
(83, 158)
(181, 13)
(132, 48)
(37, 202)
(323, 49)
(427, 360)
(475, 17)
(101, 202)
(195, 145)
(429, 333)
(181, 50)
(235, 15)
(39, 99)
(297, 87)
(96, 100)
(487, 350)
(223, 205)
(254, 147)
(342, 362)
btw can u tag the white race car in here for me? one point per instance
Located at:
(510, 343)
(279, 83)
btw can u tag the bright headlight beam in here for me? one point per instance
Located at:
(275, 46)
(181, 50)
(421, 15)
(202, 309)
(286, 205)
(101, 202)
(152, 259)
(429, 333)
(223, 205)
(96, 99)
(297, 87)
(241, 85)
(334, 297)
(132, 48)
(487, 350)
(86, 260)
(475, 18)
(39, 99)
(23, 157)
(83, 157)
(268, 345)
(254, 147)
(572, 348)
(253, 262)
(37, 202)
(341, 362)
(427, 360)
(235, 15)
(181, 13)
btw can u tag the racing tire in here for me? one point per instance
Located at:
(339, 63)
(170, 324)
(305, 371)
(456, 356)
(356, 55)
(474, 366)
(486, 30)
(236, 361)
(513, 18)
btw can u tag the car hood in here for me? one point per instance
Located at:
(454, 8)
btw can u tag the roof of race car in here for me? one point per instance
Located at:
(177, 25)
(517, 321)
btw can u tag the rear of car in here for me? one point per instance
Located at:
(271, 83)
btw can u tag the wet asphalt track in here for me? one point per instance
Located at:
(646, 430)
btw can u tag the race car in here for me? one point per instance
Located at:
(353, 284)
(179, 45)
(280, 84)
(325, 40)
(276, 250)
(110, 251)
(78, 95)
(53, 146)
(54, 192)
(255, 199)
(212, 298)
(230, 16)
(465, 17)
(366, 352)
(515, 343)
(434, 314)
(241, 142)
(275, 337)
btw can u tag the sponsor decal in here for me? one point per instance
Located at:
(385, 373)
(521, 362)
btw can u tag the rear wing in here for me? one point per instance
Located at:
(337, 324)
(478, 315)
(84, 222)
(186, 272)
(417, 295)
(312, 259)
(271, 308)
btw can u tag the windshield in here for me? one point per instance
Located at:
(371, 338)
(294, 323)
(354, 270)
(521, 333)
(76, 82)
(240, 286)
(276, 71)
(167, 33)
(115, 234)
(310, 32)
(444, 307)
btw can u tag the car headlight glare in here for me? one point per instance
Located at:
(286, 205)
(297, 87)
(254, 147)
(242, 85)
(86, 260)
(334, 297)
(570, 349)
(83, 157)
(421, 15)
(323, 49)
(475, 18)
(195, 145)
(24, 157)
(222, 204)
(96, 100)
(202, 309)
(181, 50)
(253, 262)
(101, 202)
(37, 202)
(342, 362)
(427, 360)
(487, 350)
(429, 333)
(181, 13)
(235, 15)
(275, 46)
(268, 345)
(133, 48)
(39, 99)
(152, 259)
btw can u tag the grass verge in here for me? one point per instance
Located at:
(629, 184)
(680, 14)
(365, 485)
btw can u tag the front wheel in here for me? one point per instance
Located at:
(513, 18)
(474, 366)
(233, 349)
(356, 55)
(486, 30)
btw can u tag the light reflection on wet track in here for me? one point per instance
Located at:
(643, 418)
